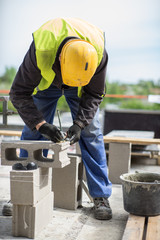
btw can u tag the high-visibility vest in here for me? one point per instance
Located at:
(49, 36)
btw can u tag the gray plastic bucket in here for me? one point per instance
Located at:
(141, 193)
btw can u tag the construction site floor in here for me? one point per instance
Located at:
(74, 225)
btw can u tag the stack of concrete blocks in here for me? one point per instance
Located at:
(119, 160)
(31, 193)
(66, 183)
(32, 200)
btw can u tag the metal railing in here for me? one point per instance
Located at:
(5, 113)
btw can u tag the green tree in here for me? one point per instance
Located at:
(7, 78)
(113, 88)
(62, 104)
(144, 87)
(138, 104)
(158, 83)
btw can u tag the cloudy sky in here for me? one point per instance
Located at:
(132, 29)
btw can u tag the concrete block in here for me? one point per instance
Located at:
(35, 153)
(29, 187)
(119, 160)
(78, 150)
(28, 221)
(67, 184)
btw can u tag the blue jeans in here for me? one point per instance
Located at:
(91, 142)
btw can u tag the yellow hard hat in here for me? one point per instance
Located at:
(79, 61)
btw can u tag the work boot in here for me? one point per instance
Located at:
(7, 209)
(102, 210)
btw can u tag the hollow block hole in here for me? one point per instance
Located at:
(13, 154)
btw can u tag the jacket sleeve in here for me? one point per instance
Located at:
(27, 78)
(92, 95)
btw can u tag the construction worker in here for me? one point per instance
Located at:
(67, 57)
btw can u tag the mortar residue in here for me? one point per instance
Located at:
(143, 177)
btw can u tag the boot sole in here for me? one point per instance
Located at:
(103, 216)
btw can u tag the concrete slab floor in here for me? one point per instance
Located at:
(74, 225)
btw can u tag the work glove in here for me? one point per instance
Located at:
(74, 133)
(51, 132)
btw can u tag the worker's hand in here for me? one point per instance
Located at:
(74, 133)
(51, 132)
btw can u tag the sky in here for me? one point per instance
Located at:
(132, 30)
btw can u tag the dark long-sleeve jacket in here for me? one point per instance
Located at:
(28, 78)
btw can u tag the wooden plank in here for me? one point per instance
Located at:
(134, 228)
(141, 141)
(10, 133)
(153, 229)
